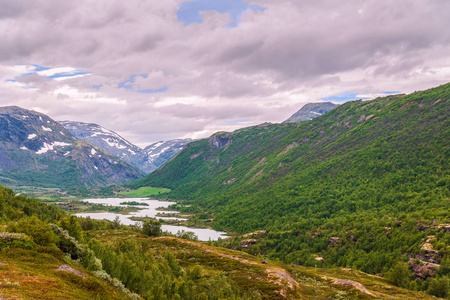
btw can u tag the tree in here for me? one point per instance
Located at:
(151, 228)
(439, 287)
(399, 274)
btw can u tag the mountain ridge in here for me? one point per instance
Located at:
(37, 150)
(147, 159)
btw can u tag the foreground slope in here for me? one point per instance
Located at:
(359, 186)
(36, 150)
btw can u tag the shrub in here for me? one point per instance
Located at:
(187, 235)
(439, 287)
(151, 228)
(400, 274)
(39, 231)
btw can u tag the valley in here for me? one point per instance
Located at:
(351, 204)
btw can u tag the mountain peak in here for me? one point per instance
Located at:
(310, 111)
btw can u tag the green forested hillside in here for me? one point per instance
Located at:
(46, 254)
(361, 186)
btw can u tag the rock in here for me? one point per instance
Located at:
(220, 140)
(319, 258)
(426, 258)
(70, 269)
(334, 240)
(264, 262)
(423, 270)
(246, 243)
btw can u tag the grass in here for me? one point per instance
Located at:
(143, 192)
(33, 275)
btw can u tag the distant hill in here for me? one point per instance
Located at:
(36, 150)
(147, 160)
(310, 111)
(359, 186)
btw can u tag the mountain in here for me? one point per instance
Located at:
(147, 160)
(365, 185)
(160, 152)
(310, 111)
(111, 142)
(36, 150)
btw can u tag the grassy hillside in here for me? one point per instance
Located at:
(362, 186)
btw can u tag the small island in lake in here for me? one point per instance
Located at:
(133, 203)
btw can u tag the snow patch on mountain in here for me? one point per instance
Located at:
(49, 147)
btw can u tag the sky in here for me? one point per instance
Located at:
(158, 70)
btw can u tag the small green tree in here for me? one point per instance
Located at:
(400, 274)
(439, 287)
(151, 228)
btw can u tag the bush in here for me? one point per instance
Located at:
(400, 274)
(39, 231)
(187, 235)
(439, 287)
(151, 228)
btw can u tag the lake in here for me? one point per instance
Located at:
(148, 211)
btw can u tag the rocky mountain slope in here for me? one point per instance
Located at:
(147, 160)
(36, 150)
(310, 111)
(160, 152)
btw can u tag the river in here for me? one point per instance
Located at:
(149, 211)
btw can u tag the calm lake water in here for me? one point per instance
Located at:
(148, 211)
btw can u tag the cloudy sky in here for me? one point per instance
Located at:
(157, 70)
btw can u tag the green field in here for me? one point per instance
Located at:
(144, 192)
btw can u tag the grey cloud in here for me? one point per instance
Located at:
(262, 70)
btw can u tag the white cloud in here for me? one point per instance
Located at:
(77, 95)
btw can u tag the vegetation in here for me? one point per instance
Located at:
(40, 245)
(363, 186)
(133, 203)
(143, 192)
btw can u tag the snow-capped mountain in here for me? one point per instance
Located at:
(147, 160)
(36, 150)
(310, 111)
(160, 152)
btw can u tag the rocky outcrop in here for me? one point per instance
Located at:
(71, 270)
(423, 270)
(220, 140)
(246, 243)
